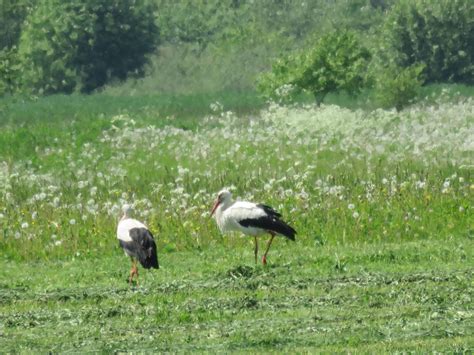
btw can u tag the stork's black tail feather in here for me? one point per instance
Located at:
(283, 228)
(146, 252)
(148, 258)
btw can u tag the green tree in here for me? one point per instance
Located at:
(10, 71)
(337, 62)
(86, 43)
(436, 33)
(398, 87)
(12, 15)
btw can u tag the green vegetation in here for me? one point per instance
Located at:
(381, 201)
(12, 15)
(214, 46)
(361, 297)
(381, 197)
(397, 87)
(434, 33)
(337, 62)
(84, 44)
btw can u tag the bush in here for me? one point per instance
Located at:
(397, 87)
(336, 63)
(280, 82)
(84, 44)
(12, 15)
(9, 71)
(437, 33)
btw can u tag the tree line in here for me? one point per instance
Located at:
(52, 46)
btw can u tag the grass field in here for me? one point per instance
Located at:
(382, 202)
(362, 297)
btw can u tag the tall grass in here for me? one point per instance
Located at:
(150, 108)
(339, 175)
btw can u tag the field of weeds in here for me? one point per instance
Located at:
(381, 200)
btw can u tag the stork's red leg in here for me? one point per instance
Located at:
(264, 258)
(133, 272)
(256, 250)
(136, 271)
(130, 278)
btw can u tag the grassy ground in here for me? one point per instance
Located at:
(413, 296)
(381, 200)
(59, 110)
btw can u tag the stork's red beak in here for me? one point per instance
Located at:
(216, 204)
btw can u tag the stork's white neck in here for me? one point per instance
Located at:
(124, 217)
(221, 221)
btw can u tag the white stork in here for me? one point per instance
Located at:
(137, 242)
(251, 219)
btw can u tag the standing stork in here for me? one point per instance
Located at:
(251, 219)
(137, 242)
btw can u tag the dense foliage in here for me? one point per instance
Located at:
(84, 44)
(397, 87)
(10, 70)
(213, 46)
(336, 62)
(12, 15)
(436, 33)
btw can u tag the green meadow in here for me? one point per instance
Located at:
(381, 200)
(353, 119)
(414, 296)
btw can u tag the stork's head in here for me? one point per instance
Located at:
(127, 211)
(223, 197)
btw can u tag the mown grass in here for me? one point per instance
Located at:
(362, 297)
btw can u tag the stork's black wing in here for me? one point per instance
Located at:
(143, 247)
(271, 222)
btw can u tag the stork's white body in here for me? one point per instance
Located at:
(229, 215)
(124, 227)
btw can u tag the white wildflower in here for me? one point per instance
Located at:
(420, 184)
(446, 186)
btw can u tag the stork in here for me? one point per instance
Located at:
(137, 242)
(251, 219)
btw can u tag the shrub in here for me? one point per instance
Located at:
(84, 44)
(9, 71)
(284, 74)
(397, 87)
(337, 62)
(12, 15)
(438, 33)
